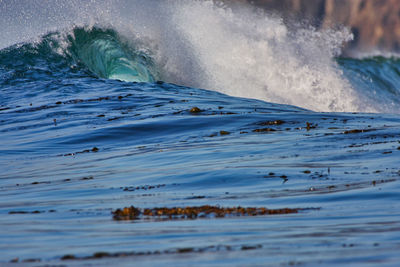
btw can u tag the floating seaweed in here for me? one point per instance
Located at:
(310, 126)
(276, 122)
(143, 187)
(358, 131)
(264, 130)
(195, 110)
(29, 212)
(94, 149)
(134, 213)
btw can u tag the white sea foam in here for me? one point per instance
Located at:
(250, 54)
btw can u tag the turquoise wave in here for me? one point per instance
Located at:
(100, 52)
(104, 54)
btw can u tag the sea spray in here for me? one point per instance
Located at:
(254, 55)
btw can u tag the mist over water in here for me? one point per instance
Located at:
(238, 50)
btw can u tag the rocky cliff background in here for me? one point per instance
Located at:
(374, 23)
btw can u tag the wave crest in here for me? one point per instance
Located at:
(100, 51)
(105, 54)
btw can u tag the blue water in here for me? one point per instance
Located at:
(92, 121)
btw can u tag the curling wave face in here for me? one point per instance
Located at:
(99, 51)
(103, 53)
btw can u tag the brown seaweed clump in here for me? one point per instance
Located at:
(195, 110)
(276, 122)
(133, 213)
(358, 131)
(264, 130)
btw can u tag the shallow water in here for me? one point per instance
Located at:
(77, 145)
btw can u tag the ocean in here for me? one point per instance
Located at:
(239, 140)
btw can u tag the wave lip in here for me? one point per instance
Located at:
(100, 51)
(104, 54)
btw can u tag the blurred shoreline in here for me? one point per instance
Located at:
(374, 23)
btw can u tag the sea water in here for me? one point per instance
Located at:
(109, 104)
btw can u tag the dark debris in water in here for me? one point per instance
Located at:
(134, 213)
(93, 150)
(30, 212)
(42, 182)
(196, 197)
(86, 178)
(58, 181)
(371, 143)
(72, 101)
(114, 118)
(273, 175)
(143, 187)
(75, 101)
(207, 112)
(310, 126)
(344, 187)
